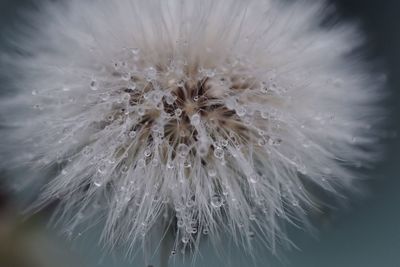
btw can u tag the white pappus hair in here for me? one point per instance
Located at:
(204, 116)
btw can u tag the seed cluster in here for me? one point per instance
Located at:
(199, 113)
(203, 116)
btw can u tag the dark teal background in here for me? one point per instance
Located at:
(367, 233)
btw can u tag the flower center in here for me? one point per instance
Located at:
(201, 109)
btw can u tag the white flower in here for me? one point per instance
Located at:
(209, 116)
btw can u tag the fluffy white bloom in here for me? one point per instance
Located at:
(206, 116)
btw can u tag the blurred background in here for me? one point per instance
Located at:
(365, 234)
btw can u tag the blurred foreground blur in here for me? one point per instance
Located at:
(26, 243)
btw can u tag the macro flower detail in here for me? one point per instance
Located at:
(204, 116)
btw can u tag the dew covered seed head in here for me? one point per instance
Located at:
(203, 116)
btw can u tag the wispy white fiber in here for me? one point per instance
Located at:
(203, 116)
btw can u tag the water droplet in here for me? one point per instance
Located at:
(141, 111)
(141, 163)
(170, 165)
(213, 122)
(264, 88)
(212, 172)
(183, 133)
(219, 153)
(261, 142)
(202, 150)
(302, 169)
(224, 143)
(178, 207)
(251, 234)
(190, 203)
(156, 128)
(132, 86)
(110, 118)
(126, 76)
(105, 96)
(254, 178)
(178, 112)
(135, 51)
(173, 252)
(132, 134)
(170, 99)
(264, 115)
(101, 169)
(205, 231)
(38, 107)
(182, 150)
(195, 120)
(275, 142)
(147, 153)
(93, 85)
(185, 239)
(151, 74)
(216, 201)
(240, 111)
(209, 73)
(187, 164)
(181, 84)
(160, 106)
(87, 151)
(124, 168)
(156, 97)
(231, 103)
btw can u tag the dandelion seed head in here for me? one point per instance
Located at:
(208, 115)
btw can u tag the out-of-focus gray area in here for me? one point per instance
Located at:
(366, 234)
